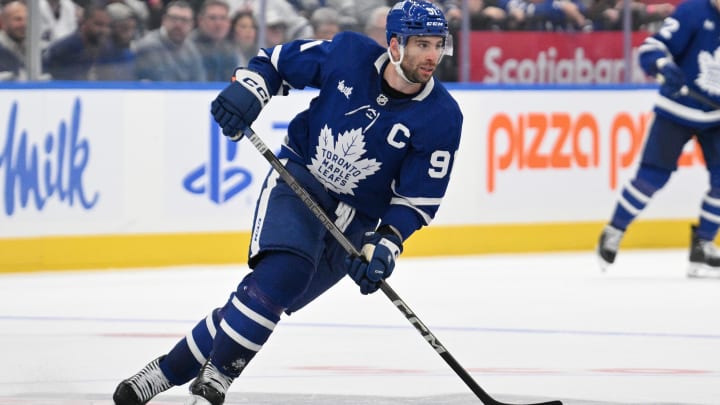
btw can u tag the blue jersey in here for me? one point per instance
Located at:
(389, 158)
(691, 38)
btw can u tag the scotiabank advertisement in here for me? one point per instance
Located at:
(552, 57)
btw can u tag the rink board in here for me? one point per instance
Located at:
(134, 174)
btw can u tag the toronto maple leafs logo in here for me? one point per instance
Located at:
(340, 165)
(709, 77)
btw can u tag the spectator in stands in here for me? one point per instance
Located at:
(325, 22)
(13, 21)
(166, 54)
(608, 14)
(375, 25)
(58, 18)
(119, 62)
(365, 9)
(156, 8)
(516, 14)
(296, 26)
(275, 29)
(243, 35)
(141, 12)
(450, 8)
(551, 15)
(483, 15)
(210, 37)
(75, 56)
(346, 10)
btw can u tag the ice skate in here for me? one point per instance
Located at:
(704, 257)
(143, 386)
(209, 387)
(608, 246)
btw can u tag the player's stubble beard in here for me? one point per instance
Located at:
(413, 73)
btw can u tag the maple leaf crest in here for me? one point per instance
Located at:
(340, 165)
(709, 77)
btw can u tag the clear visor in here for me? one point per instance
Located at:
(448, 50)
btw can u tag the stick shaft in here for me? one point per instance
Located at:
(699, 97)
(686, 91)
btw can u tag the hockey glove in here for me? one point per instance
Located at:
(239, 104)
(377, 261)
(673, 77)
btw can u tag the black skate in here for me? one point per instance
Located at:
(209, 387)
(143, 386)
(704, 257)
(608, 246)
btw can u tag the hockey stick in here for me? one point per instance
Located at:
(484, 397)
(686, 91)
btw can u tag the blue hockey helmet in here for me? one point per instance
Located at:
(415, 17)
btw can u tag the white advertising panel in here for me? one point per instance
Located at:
(86, 161)
(558, 156)
(89, 161)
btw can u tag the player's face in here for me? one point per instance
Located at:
(422, 54)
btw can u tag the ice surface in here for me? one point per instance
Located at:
(528, 328)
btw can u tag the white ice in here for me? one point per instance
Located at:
(528, 327)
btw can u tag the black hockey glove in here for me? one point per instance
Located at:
(377, 261)
(239, 104)
(673, 78)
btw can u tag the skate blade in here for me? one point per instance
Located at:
(701, 270)
(602, 264)
(197, 400)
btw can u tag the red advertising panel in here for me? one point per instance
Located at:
(552, 57)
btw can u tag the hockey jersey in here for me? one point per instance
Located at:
(691, 38)
(389, 158)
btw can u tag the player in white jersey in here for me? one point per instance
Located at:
(374, 149)
(685, 56)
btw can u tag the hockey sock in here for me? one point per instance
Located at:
(637, 194)
(183, 362)
(709, 215)
(253, 311)
(249, 319)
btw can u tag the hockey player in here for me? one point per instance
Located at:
(375, 149)
(683, 54)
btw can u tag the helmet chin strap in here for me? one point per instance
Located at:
(396, 63)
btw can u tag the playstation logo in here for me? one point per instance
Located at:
(217, 178)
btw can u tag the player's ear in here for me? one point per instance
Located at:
(394, 47)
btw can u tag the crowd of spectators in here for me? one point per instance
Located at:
(204, 40)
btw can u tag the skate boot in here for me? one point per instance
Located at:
(704, 257)
(143, 386)
(209, 387)
(608, 246)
